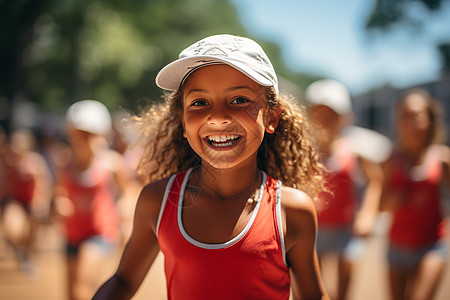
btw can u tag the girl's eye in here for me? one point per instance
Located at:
(199, 102)
(240, 100)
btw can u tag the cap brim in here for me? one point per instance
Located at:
(171, 76)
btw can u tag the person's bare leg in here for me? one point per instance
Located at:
(344, 268)
(428, 277)
(71, 276)
(397, 283)
(15, 224)
(90, 270)
(18, 230)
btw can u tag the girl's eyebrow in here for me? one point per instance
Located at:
(196, 91)
(231, 89)
(240, 88)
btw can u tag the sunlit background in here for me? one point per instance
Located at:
(53, 53)
(56, 52)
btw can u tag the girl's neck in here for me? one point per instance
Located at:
(414, 155)
(83, 159)
(225, 184)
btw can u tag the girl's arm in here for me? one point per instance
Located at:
(300, 238)
(391, 196)
(370, 205)
(141, 249)
(445, 150)
(445, 184)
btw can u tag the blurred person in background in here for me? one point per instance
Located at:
(90, 181)
(348, 210)
(27, 189)
(416, 178)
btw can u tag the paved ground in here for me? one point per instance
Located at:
(369, 282)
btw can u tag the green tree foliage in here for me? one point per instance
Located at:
(58, 51)
(54, 52)
(388, 13)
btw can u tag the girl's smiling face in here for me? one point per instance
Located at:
(225, 115)
(413, 120)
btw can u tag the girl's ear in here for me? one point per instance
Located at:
(273, 119)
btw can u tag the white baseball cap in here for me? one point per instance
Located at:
(329, 93)
(90, 116)
(240, 53)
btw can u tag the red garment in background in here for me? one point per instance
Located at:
(337, 207)
(417, 220)
(93, 197)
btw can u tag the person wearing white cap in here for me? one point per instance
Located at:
(89, 116)
(349, 209)
(89, 182)
(215, 154)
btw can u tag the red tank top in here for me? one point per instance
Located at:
(92, 195)
(20, 185)
(337, 207)
(418, 220)
(250, 266)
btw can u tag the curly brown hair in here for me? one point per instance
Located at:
(287, 155)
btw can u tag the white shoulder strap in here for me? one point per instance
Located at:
(164, 201)
(280, 220)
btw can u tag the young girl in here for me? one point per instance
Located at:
(90, 181)
(226, 227)
(416, 175)
(348, 212)
(28, 188)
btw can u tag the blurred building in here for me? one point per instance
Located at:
(375, 109)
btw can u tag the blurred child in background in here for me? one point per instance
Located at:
(416, 177)
(27, 192)
(89, 182)
(349, 208)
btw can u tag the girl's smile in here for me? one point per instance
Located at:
(223, 142)
(224, 115)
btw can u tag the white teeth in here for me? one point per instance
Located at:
(222, 138)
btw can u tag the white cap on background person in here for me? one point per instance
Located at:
(331, 94)
(240, 53)
(89, 115)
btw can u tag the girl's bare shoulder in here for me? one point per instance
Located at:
(296, 200)
(444, 152)
(154, 192)
(299, 218)
(150, 200)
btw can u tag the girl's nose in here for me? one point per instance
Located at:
(219, 115)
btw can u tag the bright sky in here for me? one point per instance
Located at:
(327, 38)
